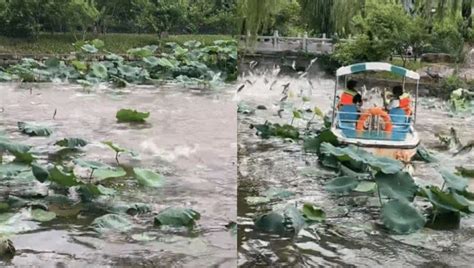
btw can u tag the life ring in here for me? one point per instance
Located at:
(375, 111)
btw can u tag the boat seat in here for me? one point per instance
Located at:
(399, 120)
(348, 116)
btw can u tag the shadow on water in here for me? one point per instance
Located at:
(189, 138)
(352, 234)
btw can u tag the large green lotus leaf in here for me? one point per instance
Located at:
(283, 221)
(384, 164)
(111, 223)
(453, 181)
(5, 77)
(71, 142)
(34, 129)
(90, 164)
(148, 178)
(329, 161)
(396, 186)
(192, 44)
(268, 130)
(20, 151)
(105, 191)
(128, 208)
(40, 172)
(177, 217)
(79, 65)
(113, 57)
(351, 173)
(341, 185)
(128, 115)
(117, 81)
(461, 199)
(444, 200)
(98, 43)
(88, 192)
(108, 173)
(142, 52)
(42, 215)
(313, 213)
(271, 222)
(465, 172)
(313, 144)
(423, 154)
(401, 217)
(12, 169)
(99, 70)
(57, 175)
(114, 146)
(366, 187)
(353, 153)
(129, 73)
(152, 61)
(52, 62)
(16, 223)
(168, 64)
(89, 48)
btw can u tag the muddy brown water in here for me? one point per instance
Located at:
(352, 235)
(190, 137)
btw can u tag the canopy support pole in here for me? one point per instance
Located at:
(416, 100)
(334, 101)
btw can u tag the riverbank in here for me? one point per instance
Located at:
(60, 43)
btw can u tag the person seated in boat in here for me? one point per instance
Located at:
(400, 100)
(347, 97)
(357, 101)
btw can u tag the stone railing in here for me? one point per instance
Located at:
(277, 43)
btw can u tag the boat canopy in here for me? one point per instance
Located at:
(377, 66)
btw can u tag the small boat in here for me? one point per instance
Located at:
(389, 133)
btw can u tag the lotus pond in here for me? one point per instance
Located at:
(81, 185)
(298, 209)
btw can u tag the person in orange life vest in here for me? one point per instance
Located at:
(347, 97)
(400, 100)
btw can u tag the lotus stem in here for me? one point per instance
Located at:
(310, 120)
(116, 157)
(378, 193)
(434, 217)
(90, 176)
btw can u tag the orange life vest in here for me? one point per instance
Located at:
(405, 103)
(346, 97)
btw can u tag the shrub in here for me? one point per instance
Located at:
(451, 83)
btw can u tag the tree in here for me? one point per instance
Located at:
(19, 18)
(81, 15)
(256, 14)
(115, 16)
(386, 28)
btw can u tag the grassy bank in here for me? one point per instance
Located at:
(59, 43)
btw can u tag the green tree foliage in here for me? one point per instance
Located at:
(82, 15)
(26, 18)
(19, 18)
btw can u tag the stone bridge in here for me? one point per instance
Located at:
(276, 44)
